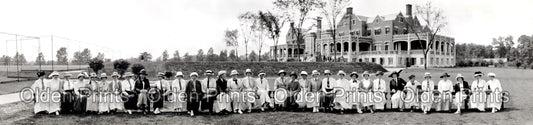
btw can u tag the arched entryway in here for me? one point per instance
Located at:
(418, 44)
(400, 45)
(364, 46)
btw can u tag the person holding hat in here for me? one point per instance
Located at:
(280, 83)
(355, 85)
(293, 88)
(411, 89)
(39, 86)
(445, 87)
(380, 90)
(80, 93)
(115, 102)
(160, 89)
(222, 103)
(327, 89)
(142, 85)
(67, 88)
(495, 96)
(342, 85)
(479, 87)
(104, 95)
(461, 89)
(177, 91)
(194, 94)
(397, 86)
(366, 93)
(248, 84)
(305, 86)
(128, 92)
(55, 86)
(235, 88)
(315, 87)
(426, 98)
(92, 100)
(209, 87)
(262, 88)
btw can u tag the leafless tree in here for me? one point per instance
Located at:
(273, 24)
(331, 9)
(248, 22)
(231, 38)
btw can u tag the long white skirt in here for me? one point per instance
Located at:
(341, 101)
(426, 100)
(379, 103)
(459, 98)
(263, 98)
(92, 102)
(236, 99)
(312, 99)
(445, 102)
(478, 100)
(397, 99)
(366, 98)
(177, 101)
(411, 99)
(116, 102)
(104, 102)
(222, 102)
(300, 99)
(42, 102)
(280, 96)
(495, 100)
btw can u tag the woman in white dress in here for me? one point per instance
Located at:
(177, 95)
(280, 84)
(445, 87)
(315, 87)
(104, 95)
(248, 90)
(426, 97)
(115, 102)
(341, 85)
(41, 99)
(55, 88)
(479, 87)
(304, 85)
(262, 88)
(411, 97)
(380, 90)
(495, 97)
(92, 100)
(353, 92)
(366, 95)
(235, 88)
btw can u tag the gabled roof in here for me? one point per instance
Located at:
(385, 17)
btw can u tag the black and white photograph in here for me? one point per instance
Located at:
(233, 62)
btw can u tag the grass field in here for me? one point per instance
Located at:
(518, 110)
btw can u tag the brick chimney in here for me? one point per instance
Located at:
(408, 10)
(349, 10)
(318, 27)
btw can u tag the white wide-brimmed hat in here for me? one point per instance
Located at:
(209, 72)
(178, 74)
(282, 71)
(193, 74)
(327, 72)
(315, 72)
(304, 73)
(115, 74)
(366, 73)
(491, 74)
(103, 75)
(67, 75)
(128, 74)
(160, 74)
(354, 73)
(81, 75)
(222, 72)
(234, 72)
(55, 73)
(427, 74)
(459, 76)
(93, 75)
(341, 73)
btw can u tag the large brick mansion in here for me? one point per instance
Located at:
(382, 39)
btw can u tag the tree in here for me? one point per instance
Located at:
(40, 59)
(136, 69)
(200, 56)
(231, 38)
(121, 66)
(434, 21)
(165, 56)
(5, 59)
(187, 57)
(253, 56)
(223, 56)
(260, 32)
(331, 9)
(296, 12)
(525, 50)
(211, 55)
(96, 64)
(145, 57)
(177, 56)
(503, 46)
(62, 55)
(19, 59)
(273, 24)
(248, 22)
(82, 57)
(233, 56)
(100, 56)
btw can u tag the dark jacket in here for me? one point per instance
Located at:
(222, 86)
(139, 84)
(294, 86)
(457, 87)
(399, 86)
(194, 92)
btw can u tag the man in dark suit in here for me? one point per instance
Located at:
(142, 85)
(397, 85)
(194, 94)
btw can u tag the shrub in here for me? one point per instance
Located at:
(121, 66)
(136, 68)
(96, 64)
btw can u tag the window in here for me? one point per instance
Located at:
(353, 21)
(437, 61)
(377, 31)
(357, 33)
(374, 47)
(395, 30)
(400, 61)
(421, 61)
(387, 30)
(373, 60)
(368, 32)
(405, 31)
(401, 20)
(390, 60)
(431, 61)
(366, 59)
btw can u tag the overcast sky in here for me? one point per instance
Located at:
(124, 28)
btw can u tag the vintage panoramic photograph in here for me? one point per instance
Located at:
(188, 62)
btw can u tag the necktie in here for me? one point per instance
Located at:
(180, 83)
(143, 83)
(68, 84)
(131, 87)
(194, 85)
(207, 88)
(161, 84)
(379, 84)
(42, 84)
(327, 86)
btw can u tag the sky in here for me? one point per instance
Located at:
(125, 28)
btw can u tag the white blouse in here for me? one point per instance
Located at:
(445, 85)
(354, 84)
(428, 85)
(178, 85)
(128, 85)
(495, 85)
(479, 85)
(68, 85)
(380, 85)
(262, 84)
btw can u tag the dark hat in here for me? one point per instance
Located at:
(444, 75)
(379, 73)
(411, 76)
(143, 72)
(354, 73)
(394, 72)
(294, 74)
(40, 73)
(478, 73)
(168, 74)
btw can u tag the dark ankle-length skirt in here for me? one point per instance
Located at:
(130, 101)
(67, 101)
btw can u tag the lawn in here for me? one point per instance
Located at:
(518, 110)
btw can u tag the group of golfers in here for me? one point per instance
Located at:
(218, 93)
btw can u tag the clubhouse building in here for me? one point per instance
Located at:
(384, 40)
